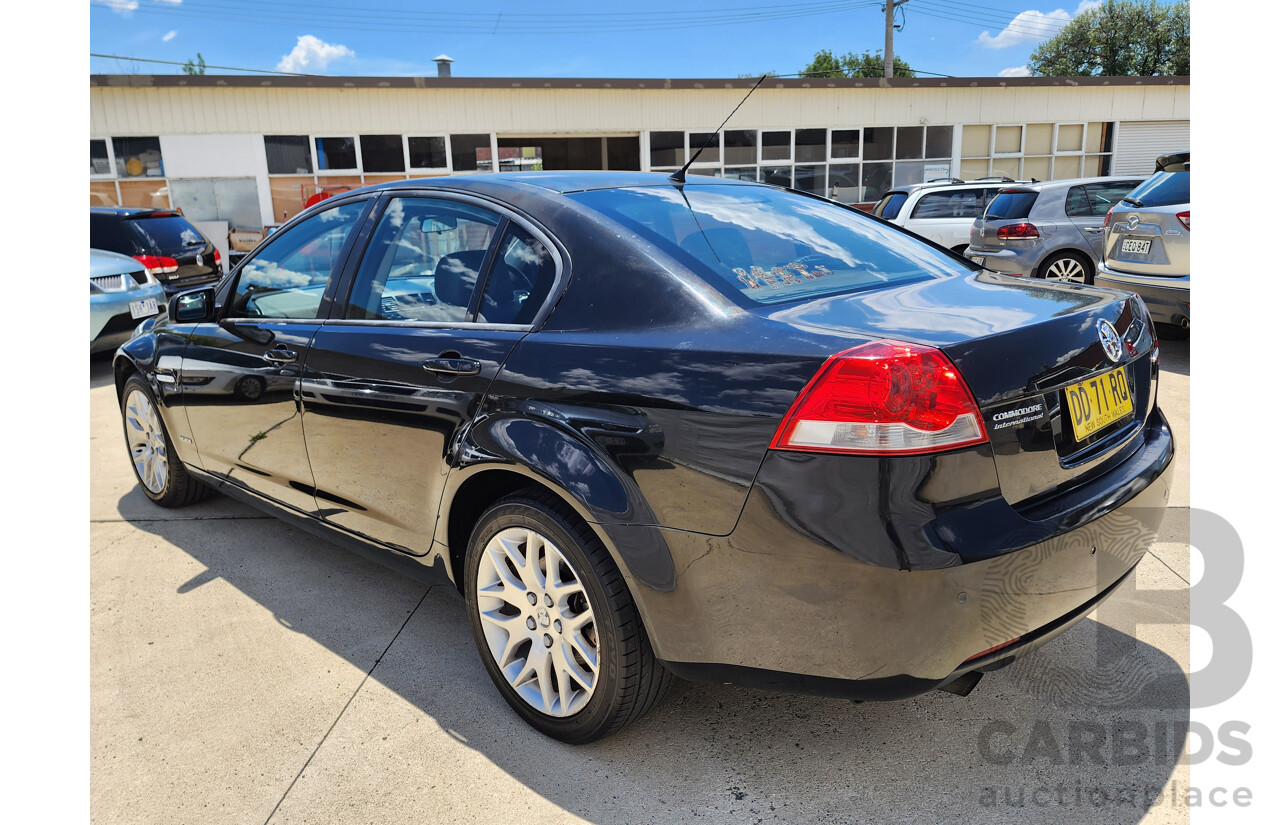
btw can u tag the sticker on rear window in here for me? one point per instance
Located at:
(792, 274)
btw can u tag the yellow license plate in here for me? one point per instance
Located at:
(1097, 402)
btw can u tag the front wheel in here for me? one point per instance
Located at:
(555, 624)
(1067, 267)
(163, 476)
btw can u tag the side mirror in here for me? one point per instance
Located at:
(192, 307)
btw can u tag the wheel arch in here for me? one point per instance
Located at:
(1085, 256)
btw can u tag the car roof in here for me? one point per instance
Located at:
(948, 185)
(559, 182)
(1052, 184)
(126, 210)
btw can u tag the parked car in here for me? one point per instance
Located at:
(943, 212)
(1047, 230)
(171, 249)
(653, 427)
(1148, 242)
(122, 294)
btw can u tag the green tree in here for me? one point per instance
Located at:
(194, 67)
(867, 64)
(1119, 38)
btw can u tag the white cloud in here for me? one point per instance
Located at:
(1027, 27)
(120, 6)
(169, 36)
(1016, 71)
(312, 54)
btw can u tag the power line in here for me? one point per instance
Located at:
(207, 65)
(1032, 28)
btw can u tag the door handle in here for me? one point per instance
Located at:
(452, 366)
(281, 356)
(1093, 230)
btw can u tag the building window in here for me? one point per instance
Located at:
(1040, 151)
(428, 153)
(666, 149)
(138, 157)
(740, 146)
(288, 154)
(99, 159)
(846, 143)
(811, 145)
(776, 146)
(382, 153)
(336, 153)
(471, 153)
(709, 143)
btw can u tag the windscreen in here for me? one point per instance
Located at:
(1164, 189)
(166, 235)
(770, 245)
(1010, 206)
(890, 205)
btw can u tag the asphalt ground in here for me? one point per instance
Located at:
(243, 671)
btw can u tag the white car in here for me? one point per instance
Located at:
(941, 212)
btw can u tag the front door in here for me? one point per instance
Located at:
(239, 375)
(444, 292)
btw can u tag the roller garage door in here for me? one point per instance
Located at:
(1139, 143)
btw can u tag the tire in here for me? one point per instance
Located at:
(1067, 267)
(160, 473)
(250, 388)
(627, 680)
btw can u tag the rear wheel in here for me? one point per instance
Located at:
(162, 475)
(1068, 267)
(555, 624)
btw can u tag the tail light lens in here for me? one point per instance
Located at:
(1018, 230)
(157, 264)
(217, 258)
(1106, 221)
(1185, 219)
(883, 398)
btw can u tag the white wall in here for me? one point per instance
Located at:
(219, 156)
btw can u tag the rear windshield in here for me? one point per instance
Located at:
(165, 234)
(1011, 206)
(767, 244)
(889, 206)
(1164, 189)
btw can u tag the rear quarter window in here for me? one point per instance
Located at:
(1011, 206)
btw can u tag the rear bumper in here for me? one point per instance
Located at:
(774, 605)
(1167, 299)
(1009, 261)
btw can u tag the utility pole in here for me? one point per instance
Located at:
(889, 7)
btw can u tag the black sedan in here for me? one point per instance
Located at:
(648, 427)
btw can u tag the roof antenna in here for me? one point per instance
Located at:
(678, 177)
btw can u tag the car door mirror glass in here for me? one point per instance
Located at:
(193, 307)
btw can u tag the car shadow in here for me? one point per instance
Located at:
(101, 373)
(1175, 355)
(1087, 729)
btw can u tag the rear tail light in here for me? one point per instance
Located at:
(157, 264)
(1185, 219)
(883, 398)
(217, 258)
(1018, 230)
(1106, 221)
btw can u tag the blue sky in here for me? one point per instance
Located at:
(495, 38)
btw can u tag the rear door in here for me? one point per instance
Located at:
(445, 289)
(240, 374)
(1087, 206)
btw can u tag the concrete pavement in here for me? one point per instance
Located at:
(244, 671)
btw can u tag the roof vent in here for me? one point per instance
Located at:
(442, 66)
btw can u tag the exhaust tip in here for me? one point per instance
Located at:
(1183, 321)
(964, 684)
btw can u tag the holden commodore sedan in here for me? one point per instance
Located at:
(648, 427)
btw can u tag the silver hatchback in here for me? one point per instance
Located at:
(1148, 245)
(1049, 230)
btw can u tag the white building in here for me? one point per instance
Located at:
(249, 150)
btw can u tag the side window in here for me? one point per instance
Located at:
(423, 261)
(964, 203)
(1078, 203)
(522, 276)
(1103, 196)
(287, 279)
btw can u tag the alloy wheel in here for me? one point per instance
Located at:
(537, 621)
(146, 442)
(1065, 269)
